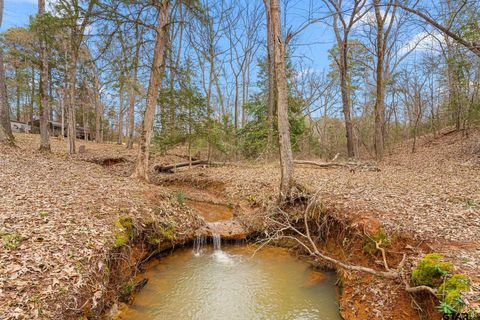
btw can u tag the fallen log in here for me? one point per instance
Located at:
(171, 167)
(353, 166)
(320, 164)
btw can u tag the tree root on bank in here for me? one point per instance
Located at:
(305, 240)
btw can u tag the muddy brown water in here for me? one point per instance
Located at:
(234, 283)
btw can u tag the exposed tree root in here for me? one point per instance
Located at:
(304, 238)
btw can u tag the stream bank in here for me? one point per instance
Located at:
(362, 296)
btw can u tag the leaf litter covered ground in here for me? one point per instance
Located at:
(65, 207)
(431, 196)
(57, 217)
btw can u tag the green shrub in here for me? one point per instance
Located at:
(180, 197)
(431, 270)
(12, 240)
(126, 291)
(452, 288)
(125, 231)
(380, 237)
(168, 232)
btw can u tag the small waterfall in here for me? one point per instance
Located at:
(198, 245)
(217, 242)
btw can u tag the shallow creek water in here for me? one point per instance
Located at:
(211, 283)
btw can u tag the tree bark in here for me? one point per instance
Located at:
(286, 156)
(72, 80)
(98, 110)
(76, 39)
(17, 80)
(43, 108)
(32, 100)
(271, 82)
(6, 136)
(120, 115)
(141, 168)
(346, 97)
(379, 108)
(131, 95)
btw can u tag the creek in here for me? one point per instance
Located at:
(238, 281)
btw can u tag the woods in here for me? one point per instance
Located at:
(347, 132)
(220, 80)
(217, 82)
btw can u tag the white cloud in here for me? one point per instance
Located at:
(423, 41)
(370, 19)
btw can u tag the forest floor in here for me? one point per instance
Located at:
(57, 225)
(58, 212)
(431, 197)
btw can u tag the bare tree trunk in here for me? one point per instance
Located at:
(235, 117)
(17, 113)
(71, 127)
(98, 110)
(32, 100)
(286, 156)
(76, 38)
(120, 116)
(43, 109)
(6, 136)
(346, 99)
(271, 81)
(131, 115)
(62, 107)
(131, 96)
(141, 168)
(380, 83)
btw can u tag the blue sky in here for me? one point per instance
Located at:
(16, 13)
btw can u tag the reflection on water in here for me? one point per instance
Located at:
(231, 284)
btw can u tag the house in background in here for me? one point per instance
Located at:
(55, 128)
(18, 126)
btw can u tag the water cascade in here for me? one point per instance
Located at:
(198, 245)
(217, 242)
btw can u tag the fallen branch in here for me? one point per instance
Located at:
(351, 165)
(171, 168)
(320, 164)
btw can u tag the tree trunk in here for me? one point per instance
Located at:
(141, 168)
(286, 156)
(62, 107)
(6, 136)
(346, 98)
(131, 96)
(120, 116)
(98, 111)
(380, 85)
(72, 79)
(17, 113)
(32, 100)
(271, 82)
(235, 117)
(43, 108)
